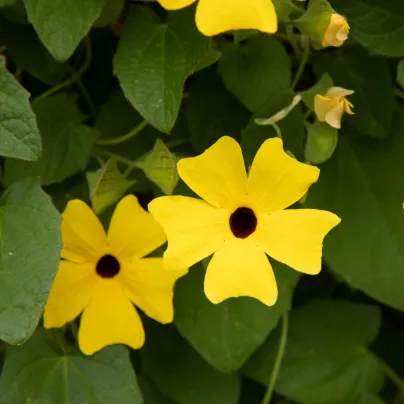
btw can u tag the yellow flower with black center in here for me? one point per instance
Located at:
(241, 218)
(216, 16)
(103, 274)
(331, 107)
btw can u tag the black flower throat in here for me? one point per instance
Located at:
(243, 222)
(108, 266)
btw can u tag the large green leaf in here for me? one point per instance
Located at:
(362, 184)
(41, 371)
(62, 24)
(180, 373)
(19, 136)
(327, 360)
(213, 112)
(67, 143)
(154, 59)
(370, 78)
(29, 54)
(226, 334)
(376, 24)
(256, 70)
(30, 244)
(4, 3)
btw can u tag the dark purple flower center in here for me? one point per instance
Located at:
(243, 222)
(108, 266)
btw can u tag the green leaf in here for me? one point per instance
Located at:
(154, 59)
(370, 78)
(286, 9)
(321, 87)
(19, 136)
(4, 3)
(29, 54)
(41, 371)
(160, 167)
(110, 13)
(327, 360)
(61, 24)
(30, 249)
(256, 70)
(212, 111)
(362, 185)
(376, 24)
(67, 143)
(321, 142)
(226, 334)
(400, 73)
(151, 395)
(180, 373)
(107, 186)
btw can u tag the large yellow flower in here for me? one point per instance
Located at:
(242, 218)
(103, 274)
(216, 16)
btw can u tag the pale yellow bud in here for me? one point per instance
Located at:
(331, 106)
(337, 31)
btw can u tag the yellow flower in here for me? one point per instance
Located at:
(216, 16)
(241, 218)
(330, 107)
(337, 31)
(103, 274)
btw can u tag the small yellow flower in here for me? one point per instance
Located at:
(241, 218)
(216, 16)
(337, 31)
(103, 274)
(330, 107)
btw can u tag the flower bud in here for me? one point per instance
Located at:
(337, 31)
(331, 106)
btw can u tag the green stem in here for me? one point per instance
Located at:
(124, 138)
(292, 39)
(278, 360)
(87, 98)
(75, 76)
(399, 93)
(392, 375)
(302, 64)
(277, 130)
(177, 142)
(307, 114)
(109, 154)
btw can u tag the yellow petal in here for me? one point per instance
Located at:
(322, 105)
(70, 293)
(338, 92)
(295, 237)
(175, 4)
(83, 236)
(110, 318)
(218, 175)
(133, 232)
(239, 268)
(334, 116)
(214, 17)
(151, 287)
(277, 180)
(194, 229)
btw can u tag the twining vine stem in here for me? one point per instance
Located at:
(125, 137)
(278, 360)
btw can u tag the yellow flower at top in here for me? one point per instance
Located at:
(241, 218)
(101, 275)
(331, 107)
(216, 16)
(337, 31)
